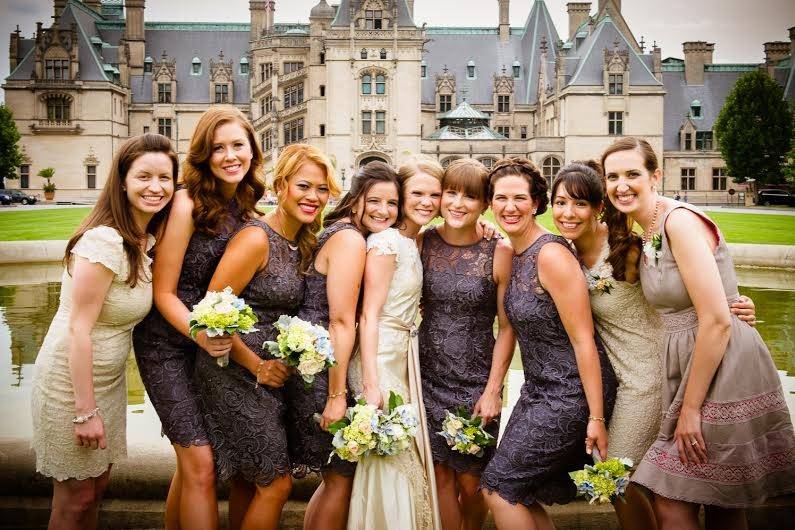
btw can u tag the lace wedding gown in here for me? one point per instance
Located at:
(396, 492)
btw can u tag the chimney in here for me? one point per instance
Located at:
(13, 49)
(257, 10)
(135, 34)
(697, 54)
(775, 51)
(657, 58)
(603, 4)
(578, 13)
(505, 23)
(270, 16)
(60, 5)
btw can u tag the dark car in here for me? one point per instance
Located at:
(20, 196)
(771, 196)
(5, 198)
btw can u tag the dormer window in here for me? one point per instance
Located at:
(695, 109)
(615, 84)
(243, 66)
(471, 70)
(148, 65)
(373, 19)
(196, 66)
(423, 70)
(517, 70)
(383, 53)
(56, 69)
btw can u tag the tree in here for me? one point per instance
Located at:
(754, 129)
(47, 174)
(10, 156)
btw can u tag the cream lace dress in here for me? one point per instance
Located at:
(396, 492)
(632, 334)
(53, 408)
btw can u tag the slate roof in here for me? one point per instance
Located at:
(404, 19)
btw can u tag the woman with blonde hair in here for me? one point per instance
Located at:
(79, 392)
(221, 189)
(265, 263)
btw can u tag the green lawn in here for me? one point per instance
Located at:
(61, 222)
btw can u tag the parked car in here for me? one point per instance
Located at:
(771, 196)
(5, 199)
(20, 196)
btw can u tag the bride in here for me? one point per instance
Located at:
(395, 492)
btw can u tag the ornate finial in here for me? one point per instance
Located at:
(163, 55)
(221, 55)
(615, 44)
(503, 69)
(655, 44)
(464, 93)
(17, 31)
(444, 69)
(642, 45)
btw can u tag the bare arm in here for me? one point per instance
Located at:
(345, 253)
(489, 405)
(90, 285)
(692, 245)
(560, 274)
(378, 272)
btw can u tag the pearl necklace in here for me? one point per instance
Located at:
(647, 234)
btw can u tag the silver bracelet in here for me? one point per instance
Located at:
(82, 419)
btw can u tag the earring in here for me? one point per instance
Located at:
(353, 212)
(534, 211)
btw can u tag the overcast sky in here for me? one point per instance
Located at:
(737, 27)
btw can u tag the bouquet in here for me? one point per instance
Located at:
(603, 481)
(303, 345)
(397, 427)
(221, 312)
(465, 434)
(365, 430)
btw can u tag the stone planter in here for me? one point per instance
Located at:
(49, 195)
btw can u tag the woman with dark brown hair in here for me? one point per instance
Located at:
(79, 386)
(222, 187)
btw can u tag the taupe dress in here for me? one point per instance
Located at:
(744, 417)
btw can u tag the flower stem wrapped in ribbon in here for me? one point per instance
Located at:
(465, 433)
(221, 312)
(303, 345)
(604, 481)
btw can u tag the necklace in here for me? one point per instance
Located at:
(647, 234)
(280, 230)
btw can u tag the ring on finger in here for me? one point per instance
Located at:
(694, 442)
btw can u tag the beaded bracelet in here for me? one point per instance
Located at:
(595, 418)
(338, 394)
(256, 376)
(79, 420)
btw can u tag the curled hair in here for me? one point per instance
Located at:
(526, 169)
(113, 208)
(209, 205)
(367, 177)
(289, 163)
(621, 237)
(469, 176)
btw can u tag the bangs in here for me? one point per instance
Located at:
(467, 176)
(579, 186)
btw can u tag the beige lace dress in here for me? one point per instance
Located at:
(632, 334)
(53, 408)
(396, 492)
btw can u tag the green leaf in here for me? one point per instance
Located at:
(395, 400)
(337, 425)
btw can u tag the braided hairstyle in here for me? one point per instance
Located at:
(526, 169)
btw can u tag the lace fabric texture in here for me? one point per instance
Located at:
(57, 455)
(543, 440)
(392, 493)
(246, 426)
(456, 337)
(310, 445)
(744, 418)
(166, 358)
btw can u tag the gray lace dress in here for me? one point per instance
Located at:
(544, 438)
(459, 298)
(246, 424)
(165, 357)
(310, 445)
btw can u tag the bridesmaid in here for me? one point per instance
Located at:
(569, 386)
(79, 396)
(726, 439)
(330, 300)
(464, 281)
(629, 327)
(220, 194)
(244, 402)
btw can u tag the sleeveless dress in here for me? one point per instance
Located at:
(166, 357)
(246, 424)
(632, 334)
(459, 298)
(396, 492)
(310, 445)
(744, 418)
(53, 406)
(544, 438)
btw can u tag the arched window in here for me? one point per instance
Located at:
(380, 84)
(363, 53)
(58, 109)
(695, 109)
(549, 168)
(148, 65)
(383, 53)
(243, 66)
(367, 84)
(517, 70)
(471, 70)
(196, 66)
(488, 161)
(447, 161)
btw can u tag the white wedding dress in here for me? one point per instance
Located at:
(396, 492)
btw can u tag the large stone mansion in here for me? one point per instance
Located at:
(362, 81)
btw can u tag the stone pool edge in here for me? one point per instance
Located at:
(744, 254)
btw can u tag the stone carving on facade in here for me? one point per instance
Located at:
(165, 70)
(91, 158)
(445, 82)
(503, 83)
(387, 14)
(616, 60)
(220, 71)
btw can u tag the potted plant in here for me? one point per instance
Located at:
(49, 189)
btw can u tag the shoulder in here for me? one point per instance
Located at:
(102, 244)
(348, 236)
(684, 222)
(555, 251)
(182, 201)
(103, 235)
(503, 250)
(384, 242)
